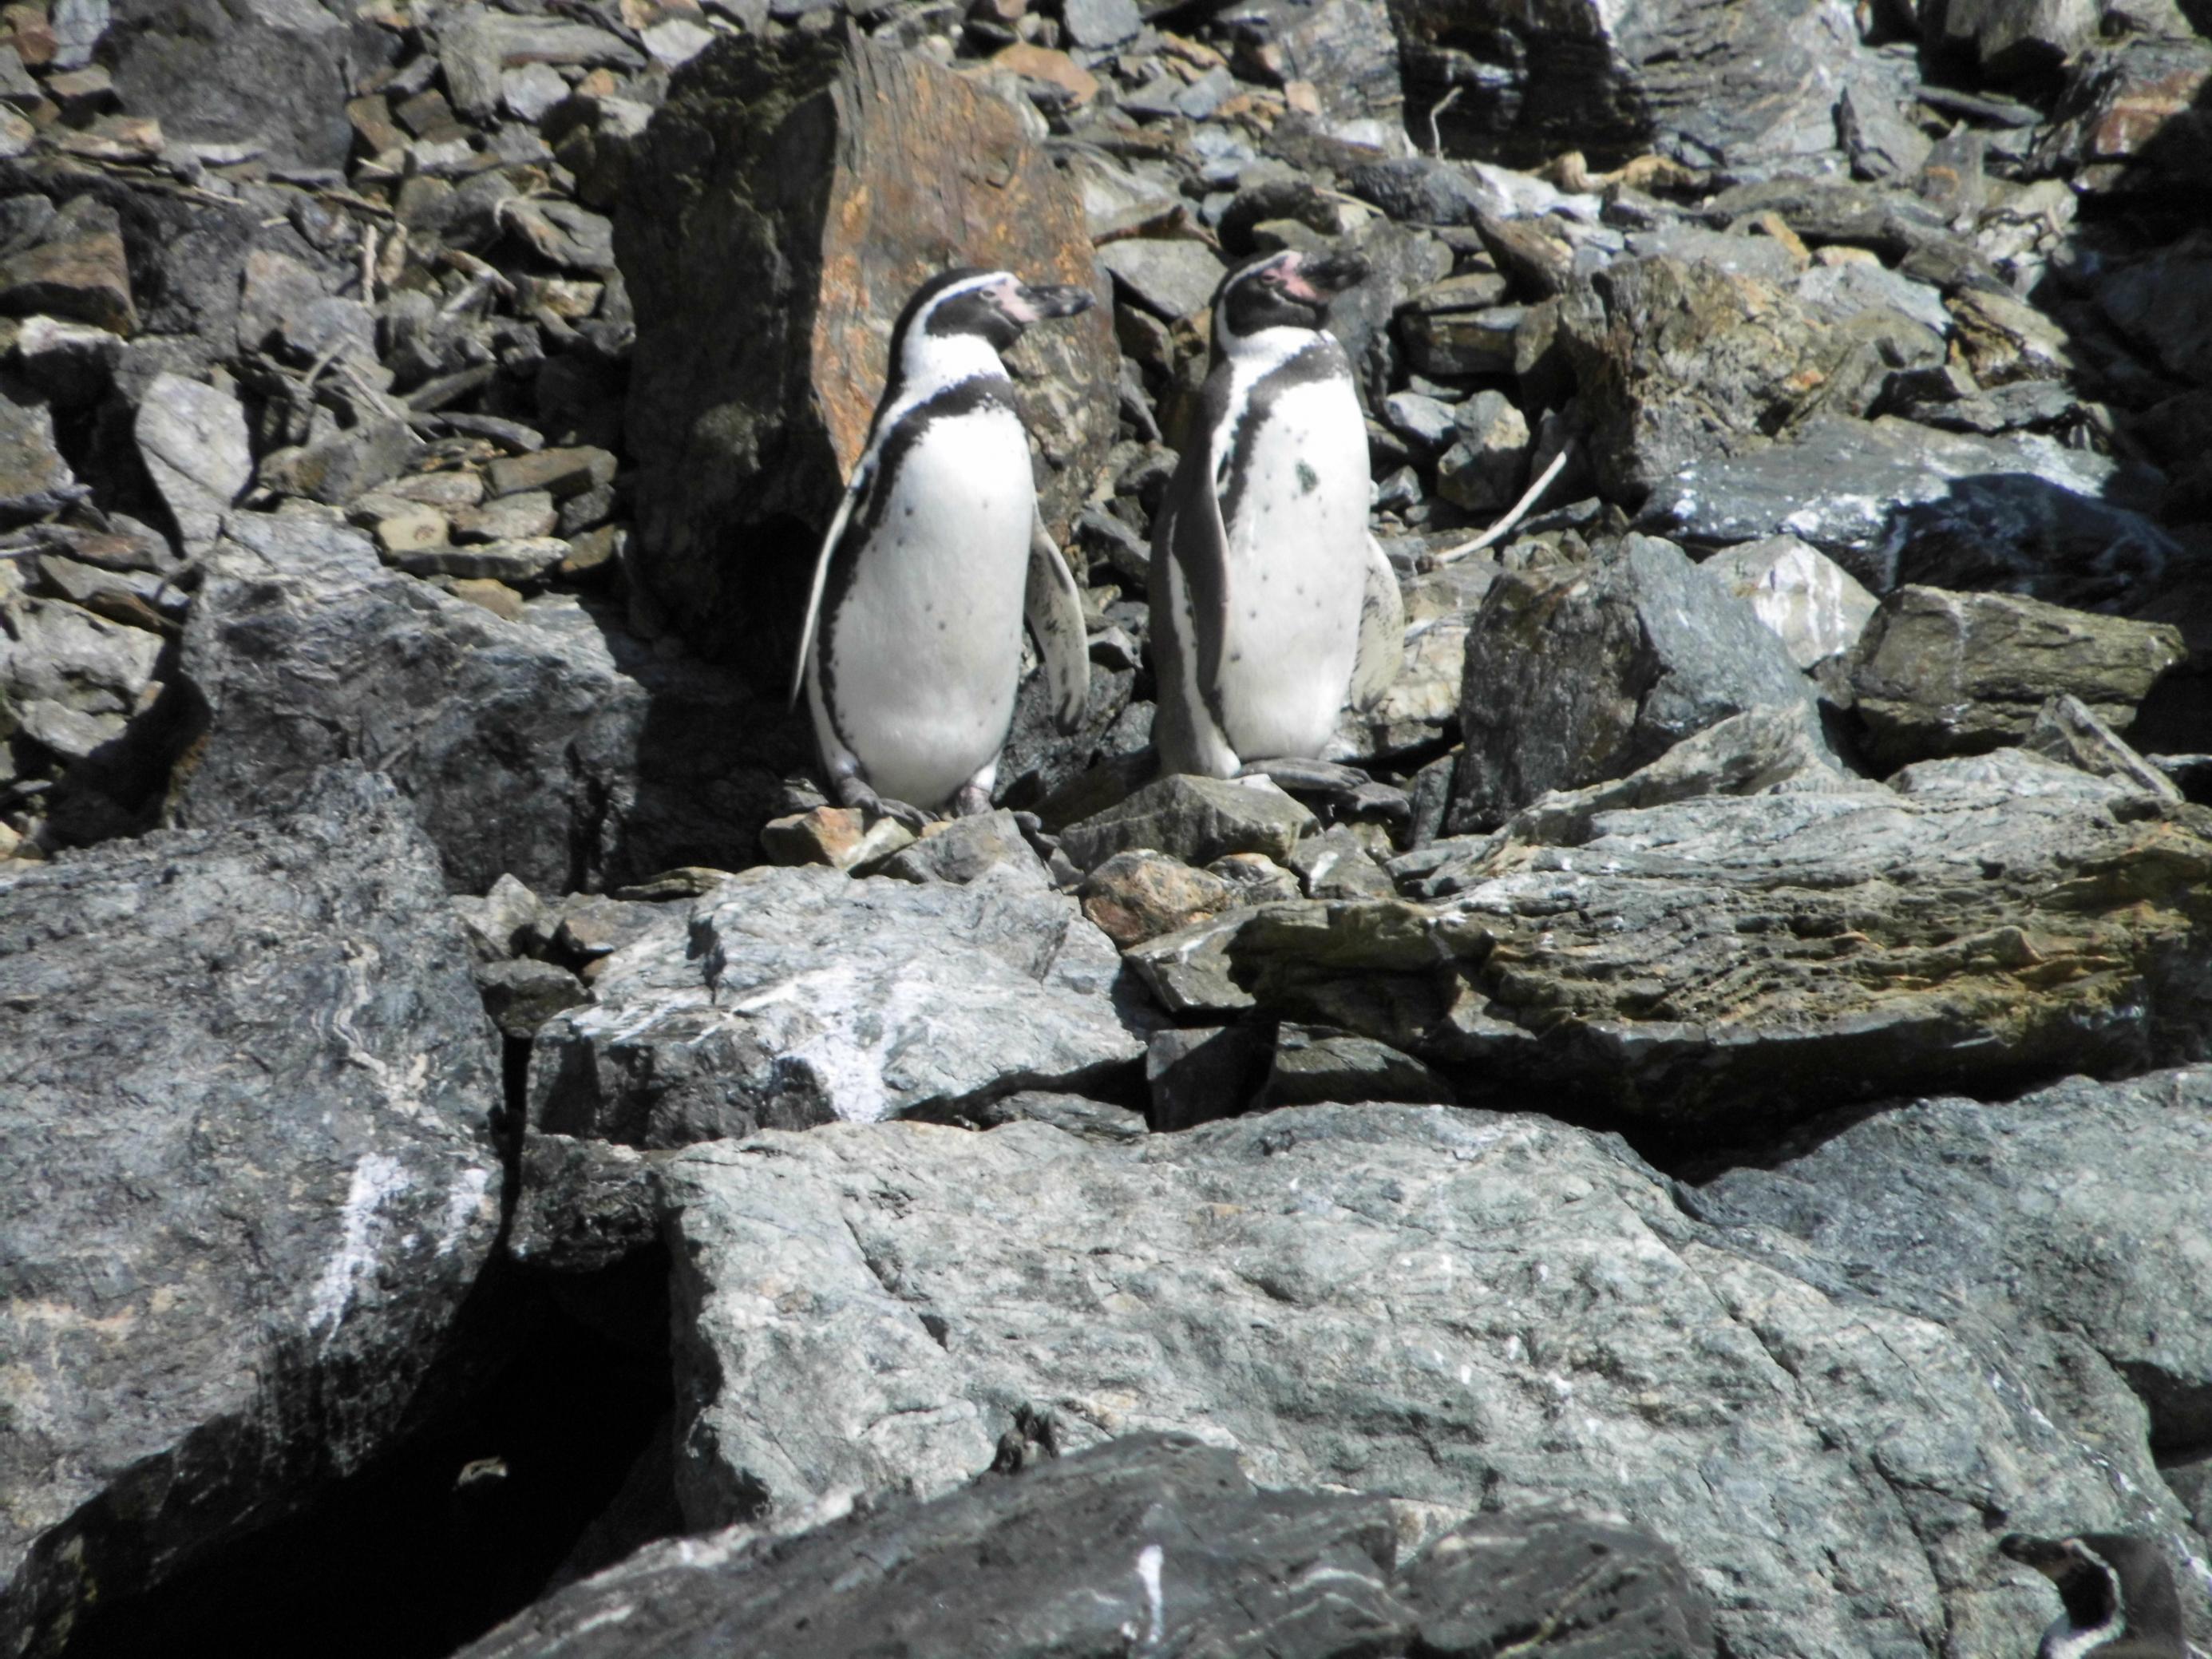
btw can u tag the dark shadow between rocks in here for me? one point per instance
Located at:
(549, 1467)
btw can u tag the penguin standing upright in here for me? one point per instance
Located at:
(2120, 1597)
(1272, 606)
(910, 653)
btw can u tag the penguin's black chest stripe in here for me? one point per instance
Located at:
(1323, 360)
(961, 400)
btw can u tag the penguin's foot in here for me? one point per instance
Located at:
(1346, 791)
(972, 801)
(852, 792)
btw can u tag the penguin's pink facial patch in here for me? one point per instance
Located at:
(1293, 281)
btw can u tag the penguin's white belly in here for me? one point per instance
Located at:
(1297, 564)
(924, 653)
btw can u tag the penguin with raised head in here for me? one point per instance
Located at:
(2118, 1593)
(1272, 606)
(910, 655)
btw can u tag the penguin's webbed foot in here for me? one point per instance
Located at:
(852, 792)
(972, 801)
(1347, 792)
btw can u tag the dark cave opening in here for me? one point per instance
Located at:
(556, 1466)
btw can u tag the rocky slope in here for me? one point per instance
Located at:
(500, 1166)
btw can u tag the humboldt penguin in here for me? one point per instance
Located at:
(2119, 1594)
(911, 651)
(1272, 606)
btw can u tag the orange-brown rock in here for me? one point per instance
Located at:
(787, 198)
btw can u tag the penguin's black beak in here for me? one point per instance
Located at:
(1316, 279)
(1033, 303)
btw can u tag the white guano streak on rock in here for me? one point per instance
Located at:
(863, 1015)
(376, 1178)
(461, 1203)
(1149, 1561)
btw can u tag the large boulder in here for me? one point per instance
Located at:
(1893, 503)
(1614, 79)
(784, 203)
(1751, 959)
(249, 1086)
(1446, 1306)
(1580, 672)
(275, 73)
(1156, 1537)
(1941, 673)
(794, 997)
(557, 749)
(1678, 361)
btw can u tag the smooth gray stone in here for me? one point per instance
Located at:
(246, 1111)
(1170, 279)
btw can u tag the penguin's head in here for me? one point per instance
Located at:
(991, 306)
(1290, 289)
(2114, 1586)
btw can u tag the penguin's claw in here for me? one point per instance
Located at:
(852, 792)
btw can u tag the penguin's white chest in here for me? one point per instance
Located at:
(1297, 561)
(922, 648)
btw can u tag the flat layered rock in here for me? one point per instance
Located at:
(795, 997)
(1755, 958)
(1438, 1305)
(558, 750)
(1154, 1536)
(1941, 673)
(785, 202)
(249, 1083)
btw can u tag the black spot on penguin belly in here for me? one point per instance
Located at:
(1308, 480)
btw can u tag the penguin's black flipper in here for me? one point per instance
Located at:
(1053, 607)
(1189, 587)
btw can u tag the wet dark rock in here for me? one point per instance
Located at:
(580, 1205)
(1313, 1063)
(559, 750)
(241, 1291)
(1579, 673)
(762, 324)
(1943, 673)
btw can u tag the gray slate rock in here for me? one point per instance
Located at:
(558, 750)
(1578, 673)
(277, 73)
(249, 1082)
(1157, 1539)
(740, 1015)
(1100, 22)
(70, 679)
(964, 849)
(1170, 279)
(1196, 819)
(193, 440)
(2068, 730)
(35, 480)
(1512, 1312)
(1894, 502)
(1941, 673)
